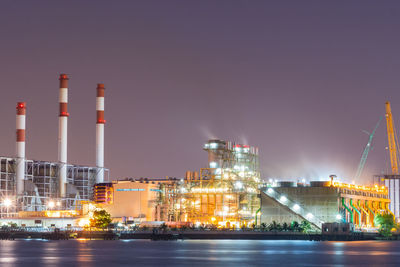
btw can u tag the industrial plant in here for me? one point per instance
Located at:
(228, 192)
(29, 187)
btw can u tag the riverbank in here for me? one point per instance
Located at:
(188, 235)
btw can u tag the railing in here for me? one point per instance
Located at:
(294, 207)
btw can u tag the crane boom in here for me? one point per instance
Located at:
(366, 151)
(394, 160)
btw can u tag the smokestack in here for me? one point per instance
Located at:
(100, 133)
(20, 171)
(62, 134)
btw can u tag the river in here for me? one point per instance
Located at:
(198, 253)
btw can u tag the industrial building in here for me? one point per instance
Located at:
(321, 202)
(32, 185)
(392, 180)
(132, 201)
(225, 193)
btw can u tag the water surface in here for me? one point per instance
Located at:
(198, 253)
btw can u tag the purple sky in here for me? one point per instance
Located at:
(298, 79)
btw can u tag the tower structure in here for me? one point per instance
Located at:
(100, 133)
(63, 134)
(20, 147)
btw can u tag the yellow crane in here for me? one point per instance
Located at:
(392, 140)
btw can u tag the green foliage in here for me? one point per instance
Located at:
(386, 223)
(100, 219)
(305, 226)
(295, 226)
(285, 227)
(273, 226)
(263, 226)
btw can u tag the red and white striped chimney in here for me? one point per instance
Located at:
(100, 133)
(62, 134)
(20, 170)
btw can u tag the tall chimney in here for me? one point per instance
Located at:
(20, 171)
(100, 133)
(62, 134)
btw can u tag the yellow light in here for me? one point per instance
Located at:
(84, 222)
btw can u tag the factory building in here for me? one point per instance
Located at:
(132, 201)
(41, 186)
(322, 202)
(225, 193)
(32, 185)
(392, 182)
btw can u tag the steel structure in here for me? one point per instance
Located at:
(392, 181)
(366, 151)
(225, 193)
(41, 185)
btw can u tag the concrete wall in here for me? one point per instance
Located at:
(134, 199)
(322, 202)
(44, 222)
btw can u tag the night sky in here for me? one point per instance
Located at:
(298, 79)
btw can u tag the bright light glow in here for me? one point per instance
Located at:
(213, 145)
(270, 190)
(84, 222)
(197, 224)
(7, 202)
(226, 208)
(309, 216)
(58, 203)
(238, 185)
(283, 199)
(303, 180)
(296, 207)
(270, 180)
(51, 204)
(213, 164)
(338, 217)
(119, 224)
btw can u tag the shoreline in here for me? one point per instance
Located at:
(191, 235)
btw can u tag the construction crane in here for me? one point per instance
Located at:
(366, 151)
(392, 140)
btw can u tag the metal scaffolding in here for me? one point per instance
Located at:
(225, 193)
(41, 186)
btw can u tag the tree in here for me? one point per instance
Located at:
(305, 226)
(285, 227)
(273, 226)
(263, 226)
(100, 219)
(294, 226)
(386, 223)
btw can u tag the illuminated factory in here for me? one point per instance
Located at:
(228, 192)
(321, 202)
(225, 193)
(35, 186)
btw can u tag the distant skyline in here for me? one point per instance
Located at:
(298, 79)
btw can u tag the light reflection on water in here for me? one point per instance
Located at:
(197, 253)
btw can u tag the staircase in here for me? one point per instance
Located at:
(293, 207)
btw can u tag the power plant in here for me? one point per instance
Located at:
(34, 186)
(228, 192)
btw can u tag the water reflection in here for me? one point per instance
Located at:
(196, 253)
